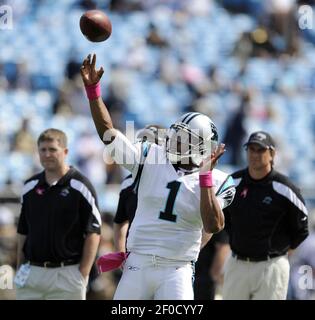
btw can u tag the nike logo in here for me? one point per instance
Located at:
(303, 219)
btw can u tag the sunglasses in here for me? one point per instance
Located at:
(256, 149)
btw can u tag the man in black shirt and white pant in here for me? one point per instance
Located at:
(267, 218)
(59, 227)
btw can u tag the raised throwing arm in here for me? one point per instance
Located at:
(91, 79)
(122, 150)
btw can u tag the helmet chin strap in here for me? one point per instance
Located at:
(185, 170)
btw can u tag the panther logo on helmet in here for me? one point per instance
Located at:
(191, 138)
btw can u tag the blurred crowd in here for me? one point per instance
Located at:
(245, 63)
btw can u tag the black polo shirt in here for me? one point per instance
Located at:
(266, 217)
(56, 219)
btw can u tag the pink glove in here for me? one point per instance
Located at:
(111, 261)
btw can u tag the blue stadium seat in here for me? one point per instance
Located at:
(48, 36)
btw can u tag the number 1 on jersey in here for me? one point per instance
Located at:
(167, 214)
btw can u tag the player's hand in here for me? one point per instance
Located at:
(209, 163)
(216, 155)
(88, 72)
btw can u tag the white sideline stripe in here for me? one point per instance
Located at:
(289, 194)
(237, 181)
(28, 187)
(78, 185)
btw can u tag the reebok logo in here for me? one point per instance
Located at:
(131, 268)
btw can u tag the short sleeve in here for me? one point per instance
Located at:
(125, 153)
(226, 192)
(22, 227)
(89, 213)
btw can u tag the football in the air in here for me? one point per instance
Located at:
(95, 25)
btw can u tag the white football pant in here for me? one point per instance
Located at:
(148, 277)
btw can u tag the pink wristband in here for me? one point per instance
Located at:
(205, 180)
(93, 91)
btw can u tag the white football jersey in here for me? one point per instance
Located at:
(168, 221)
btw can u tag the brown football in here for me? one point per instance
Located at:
(95, 25)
